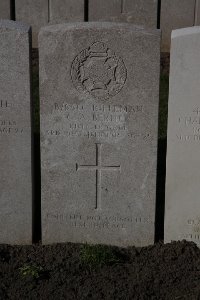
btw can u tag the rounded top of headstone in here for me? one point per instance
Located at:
(7, 25)
(185, 31)
(98, 25)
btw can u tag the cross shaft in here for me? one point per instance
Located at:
(98, 168)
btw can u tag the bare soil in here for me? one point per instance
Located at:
(65, 271)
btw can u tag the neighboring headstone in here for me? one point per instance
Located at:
(99, 123)
(197, 13)
(34, 13)
(15, 134)
(175, 14)
(4, 9)
(103, 10)
(182, 219)
(66, 10)
(141, 12)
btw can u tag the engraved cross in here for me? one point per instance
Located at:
(99, 168)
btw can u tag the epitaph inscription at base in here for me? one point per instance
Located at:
(99, 108)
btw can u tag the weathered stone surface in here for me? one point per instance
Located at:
(15, 135)
(197, 13)
(34, 13)
(99, 108)
(183, 172)
(175, 14)
(67, 10)
(4, 9)
(141, 12)
(103, 10)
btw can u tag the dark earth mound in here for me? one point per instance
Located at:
(73, 271)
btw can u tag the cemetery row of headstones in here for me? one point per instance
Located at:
(171, 14)
(99, 90)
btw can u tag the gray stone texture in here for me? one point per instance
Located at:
(104, 9)
(197, 13)
(66, 10)
(4, 9)
(175, 14)
(34, 13)
(182, 219)
(99, 110)
(15, 135)
(141, 12)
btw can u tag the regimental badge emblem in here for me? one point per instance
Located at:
(98, 71)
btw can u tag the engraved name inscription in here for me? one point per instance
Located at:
(5, 104)
(193, 230)
(189, 126)
(97, 121)
(9, 127)
(191, 237)
(100, 108)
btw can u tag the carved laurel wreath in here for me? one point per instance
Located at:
(98, 71)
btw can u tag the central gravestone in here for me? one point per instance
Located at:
(99, 110)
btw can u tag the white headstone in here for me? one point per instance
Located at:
(182, 217)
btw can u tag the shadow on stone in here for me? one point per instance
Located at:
(160, 191)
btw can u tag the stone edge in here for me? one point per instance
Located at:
(185, 31)
(98, 25)
(13, 25)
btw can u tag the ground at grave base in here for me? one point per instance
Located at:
(73, 271)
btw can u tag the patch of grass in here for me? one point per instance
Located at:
(98, 255)
(31, 270)
(163, 108)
